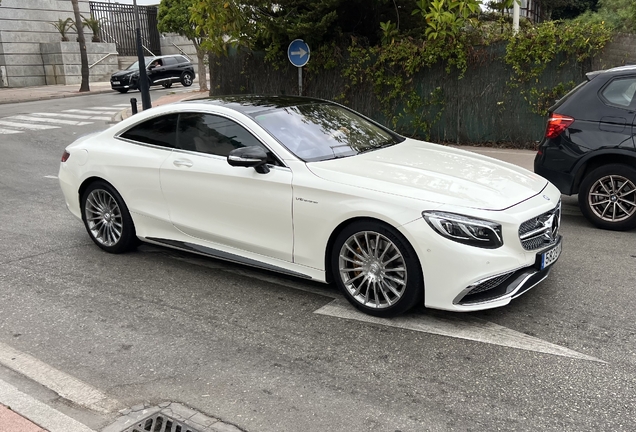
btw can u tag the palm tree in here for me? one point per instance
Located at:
(63, 26)
(95, 24)
(84, 87)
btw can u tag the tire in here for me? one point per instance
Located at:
(122, 90)
(107, 219)
(607, 197)
(167, 84)
(369, 275)
(187, 79)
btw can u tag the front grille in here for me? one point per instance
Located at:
(541, 231)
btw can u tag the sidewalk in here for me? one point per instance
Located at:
(28, 94)
(11, 421)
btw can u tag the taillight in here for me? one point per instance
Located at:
(65, 156)
(557, 123)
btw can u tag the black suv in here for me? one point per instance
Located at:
(162, 70)
(589, 147)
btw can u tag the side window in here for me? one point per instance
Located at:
(211, 134)
(169, 61)
(182, 59)
(620, 91)
(160, 131)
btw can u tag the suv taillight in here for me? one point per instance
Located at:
(65, 156)
(557, 123)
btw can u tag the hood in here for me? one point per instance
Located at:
(123, 73)
(435, 173)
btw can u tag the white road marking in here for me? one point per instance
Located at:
(122, 105)
(29, 126)
(48, 120)
(50, 177)
(73, 116)
(462, 327)
(63, 384)
(91, 112)
(38, 412)
(8, 131)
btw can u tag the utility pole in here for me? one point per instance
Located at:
(144, 86)
(515, 16)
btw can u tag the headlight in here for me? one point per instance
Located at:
(466, 230)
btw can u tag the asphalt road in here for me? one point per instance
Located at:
(247, 347)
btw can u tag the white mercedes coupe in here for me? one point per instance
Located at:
(313, 189)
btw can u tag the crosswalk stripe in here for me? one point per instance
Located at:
(101, 108)
(75, 116)
(91, 112)
(49, 120)
(26, 125)
(122, 105)
(8, 131)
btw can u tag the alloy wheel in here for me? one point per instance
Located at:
(372, 269)
(103, 217)
(613, 198)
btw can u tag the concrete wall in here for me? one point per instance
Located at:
(619, 52)
(63, 65)
(168, 42)
(25, 26)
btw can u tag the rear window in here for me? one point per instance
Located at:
(160, 131)
(182, 59)
(620, 91)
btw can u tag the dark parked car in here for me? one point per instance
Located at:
(589, 147)
(162, 70)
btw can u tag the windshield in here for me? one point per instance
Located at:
(315, 132)
(135, 65)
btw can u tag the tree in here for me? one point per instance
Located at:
(175, 17)
(618, 14)
(566, 9)
(84, 86)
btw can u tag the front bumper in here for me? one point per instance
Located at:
(464, 278)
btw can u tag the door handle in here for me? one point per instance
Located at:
(182, 163)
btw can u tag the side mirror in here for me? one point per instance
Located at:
(249, 157)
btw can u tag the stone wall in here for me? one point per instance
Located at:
(168, 42)
(63, 64)
(621, 51)
(25, 27)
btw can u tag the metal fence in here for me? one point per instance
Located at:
(119, 24)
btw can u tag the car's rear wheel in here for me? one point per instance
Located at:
(167, 84)
(187, 79)
(122, 90)
(607, 197)
(107, 219)
(376, 269)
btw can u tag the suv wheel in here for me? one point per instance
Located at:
(607, 197)
(186, 79)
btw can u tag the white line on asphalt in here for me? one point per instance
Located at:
(29, 126)
(101, 108)
(91, 112)
(50, 177)
(462, 327)
(38, 412)
(63, 384)
(122, 105)
(8, 131)
(75, 116)
(48, 120)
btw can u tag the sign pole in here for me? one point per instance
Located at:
(298, 54)
(300, 81)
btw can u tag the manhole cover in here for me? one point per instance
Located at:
(167, 417)
(160, 423)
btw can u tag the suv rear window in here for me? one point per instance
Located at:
(169, 61)
(620, 91)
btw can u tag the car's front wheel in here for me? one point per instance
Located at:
(107, 219)
(187, 79)
(607, 197)
(377, 269)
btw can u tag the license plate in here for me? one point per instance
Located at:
(116, 82)
(549, 257)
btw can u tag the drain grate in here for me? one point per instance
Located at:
(167, 417)
(160, 423)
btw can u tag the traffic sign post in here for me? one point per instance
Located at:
(298, 54)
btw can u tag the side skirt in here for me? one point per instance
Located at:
(225, 256)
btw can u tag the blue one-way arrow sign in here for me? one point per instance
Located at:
(298, 53)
